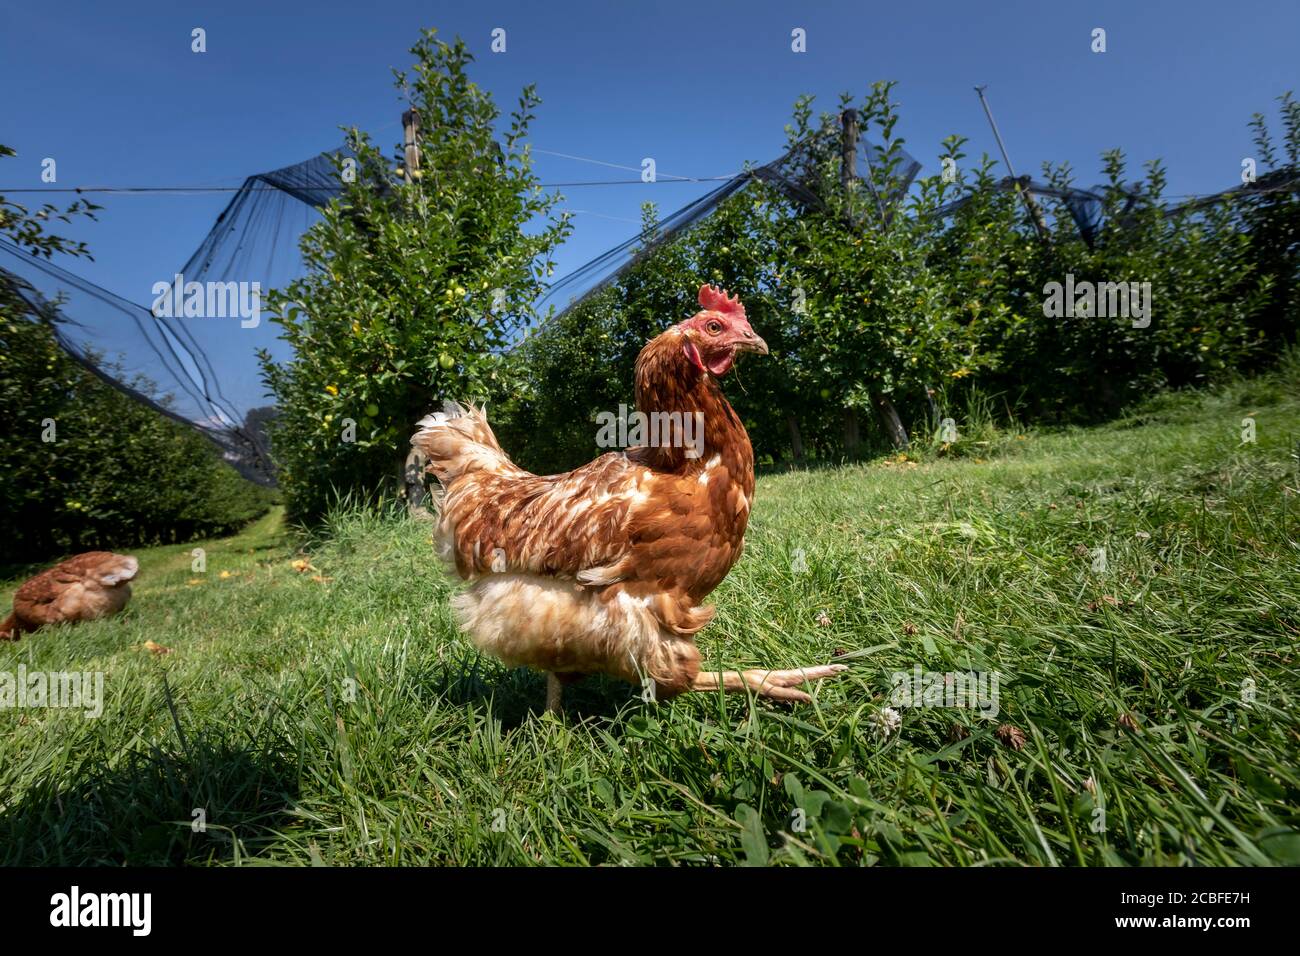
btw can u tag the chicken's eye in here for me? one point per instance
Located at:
(714, 328)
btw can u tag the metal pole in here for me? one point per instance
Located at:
(1035, 214)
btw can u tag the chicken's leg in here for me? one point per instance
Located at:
(779, 685)
(554, 691)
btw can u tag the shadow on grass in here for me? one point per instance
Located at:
(515, 695)
(141, 813)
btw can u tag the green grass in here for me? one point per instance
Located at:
(1127, 685)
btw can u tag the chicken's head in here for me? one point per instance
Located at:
(712, 337)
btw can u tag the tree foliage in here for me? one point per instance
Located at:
(871, 297)
(81, 464)
(415, 284)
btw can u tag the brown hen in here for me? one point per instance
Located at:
(605, 569)
(89, 586)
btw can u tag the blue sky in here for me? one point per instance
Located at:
(113, 92)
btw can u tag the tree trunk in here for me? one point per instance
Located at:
(892, 424)
(934, 407)
(411, 482)
(796, 440)
(411, 464)
(852, 434)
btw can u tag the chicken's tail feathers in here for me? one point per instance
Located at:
(117, 569)
(458, 440)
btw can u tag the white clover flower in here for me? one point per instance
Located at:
(885, 722)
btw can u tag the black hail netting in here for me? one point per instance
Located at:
(792, 173)
(203, 371)
(199, 370)
(1085, 205)
(155, 361)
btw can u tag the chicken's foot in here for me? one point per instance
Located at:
(779, 685)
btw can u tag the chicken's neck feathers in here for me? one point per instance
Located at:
(667, 383)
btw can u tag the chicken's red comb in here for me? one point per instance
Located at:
(717, 300)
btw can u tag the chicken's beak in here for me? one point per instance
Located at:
(751, 343)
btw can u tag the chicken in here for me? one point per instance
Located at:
(89, 586)
(604, 570)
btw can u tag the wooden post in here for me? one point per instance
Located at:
(848, 177)
(848, 148)
(889, 419)
(410, 128)
(411, 466)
